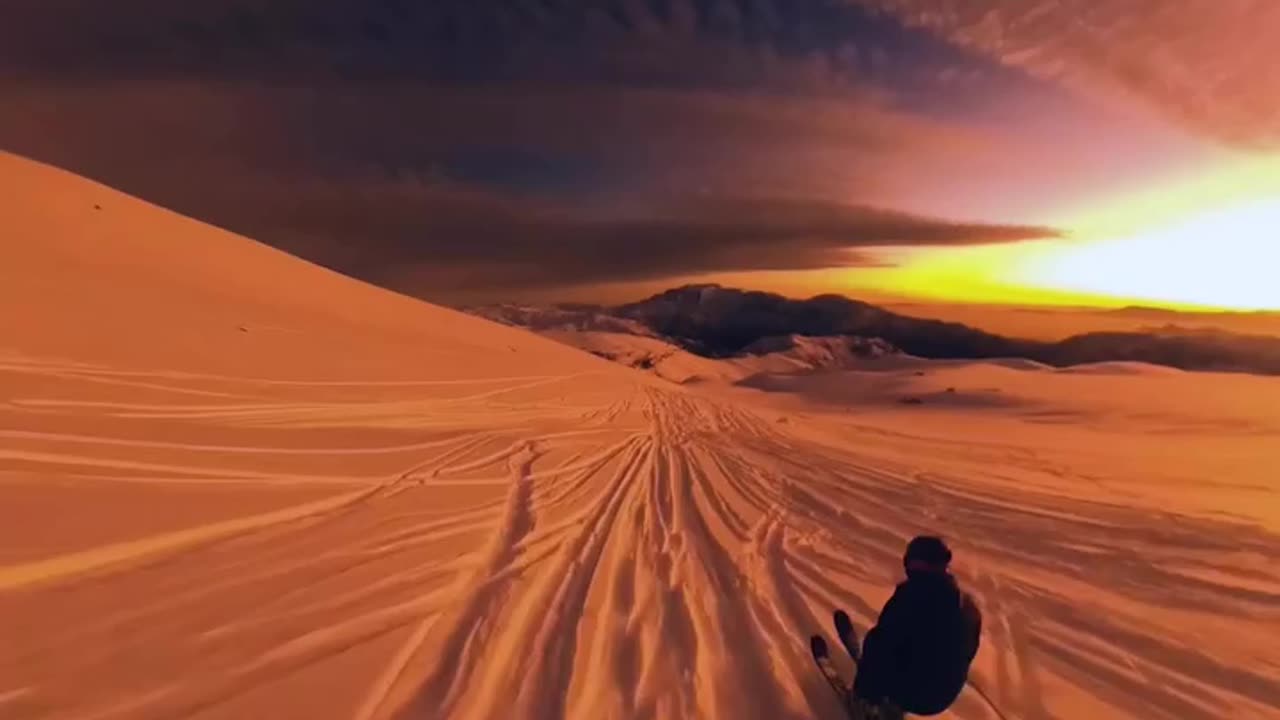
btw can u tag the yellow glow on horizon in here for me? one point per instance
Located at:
(1212, 243)
(1226, 258)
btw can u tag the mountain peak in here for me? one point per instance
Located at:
(715, 321)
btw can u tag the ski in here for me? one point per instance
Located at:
(848, 636)
(857, 709)
(822, 657)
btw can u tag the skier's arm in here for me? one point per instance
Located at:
(881, 651)
(892, 624)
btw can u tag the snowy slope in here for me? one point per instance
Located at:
(94, 274)
(233, 485)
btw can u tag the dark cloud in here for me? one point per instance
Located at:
(747, 44)
(450, 239)
(1213, 66)
(436, 146)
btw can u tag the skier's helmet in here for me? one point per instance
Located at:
(927, 552)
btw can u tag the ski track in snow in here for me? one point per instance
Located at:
(659, 554)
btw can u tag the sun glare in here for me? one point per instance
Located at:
(1206, 242)
(1225, 258)
(1209, 243)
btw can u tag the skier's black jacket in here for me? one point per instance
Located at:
(919, 652)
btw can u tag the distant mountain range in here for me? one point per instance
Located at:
(719, 322)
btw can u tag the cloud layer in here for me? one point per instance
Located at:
(524, 143)
(1212, 65)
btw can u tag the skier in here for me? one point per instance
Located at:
(916, 659)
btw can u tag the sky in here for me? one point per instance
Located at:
(1019, 151)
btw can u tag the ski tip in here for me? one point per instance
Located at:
(844, 624)
(818, 646)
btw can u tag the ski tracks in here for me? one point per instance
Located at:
(639, 608)
(654, 554)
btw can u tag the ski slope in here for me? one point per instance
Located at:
(234, 485)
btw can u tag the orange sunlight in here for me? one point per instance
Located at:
(1207, 244)
(1218, 259)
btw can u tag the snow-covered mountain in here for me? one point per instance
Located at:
(623, 336)
(718, 322)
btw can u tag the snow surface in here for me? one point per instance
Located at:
(235, 485)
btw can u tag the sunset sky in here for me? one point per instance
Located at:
(1024, 151)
